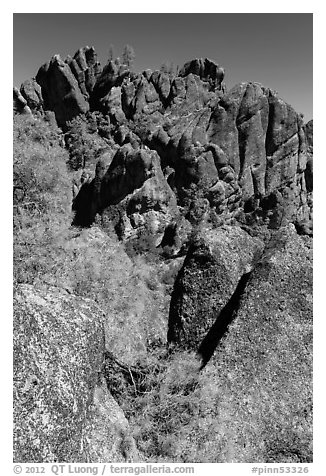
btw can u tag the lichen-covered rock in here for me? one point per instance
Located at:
(58, 397)
(215, 262)
(264, 364)
(110, 438)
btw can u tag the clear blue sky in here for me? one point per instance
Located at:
(273, 49)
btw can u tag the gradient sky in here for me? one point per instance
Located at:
(275, 49)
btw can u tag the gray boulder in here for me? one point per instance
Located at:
(214, 264)
(263, 366)
(59, 394)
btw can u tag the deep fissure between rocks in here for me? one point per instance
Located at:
(222, 322)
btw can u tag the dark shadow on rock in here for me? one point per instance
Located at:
(83, 206)
(225, 317)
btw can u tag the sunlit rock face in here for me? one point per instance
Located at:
(59, 397)
(244, 150)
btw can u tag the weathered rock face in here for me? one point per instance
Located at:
(110, 77)
(132, 179)
(308, 129)
(32, 93)
(85, 68)
(211, 271)
(264, 364)
(150, 92)
(207, 70)
(246, 151)
(60, 90)
(58, 401)
(19, 103)
(109, 432)
(251, 150)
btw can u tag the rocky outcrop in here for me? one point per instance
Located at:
(111, 76)
(150, 92)
(207, 70)
(85, 68)
(60, 91)
(214, 264)
(250, 154)
(19, 103)
(264, 363)
(308, 129)
(32, 93)
(109, 432)
(246, 151)
(220, 184)
(132, 179)
(59, 395)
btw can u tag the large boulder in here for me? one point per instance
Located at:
(214, 264)
(127, 172)
(111, 104)
(59, 395)
(108, 430)
(263, 366)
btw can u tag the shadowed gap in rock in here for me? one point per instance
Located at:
(83, 206)
(220, 326)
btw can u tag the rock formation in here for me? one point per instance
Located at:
(135, 181)
(32, 93)
(220, 184)
(264, 363)
(19, 103)
(210, 273)
(59, 396)
(60, 90)
(245, 150)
